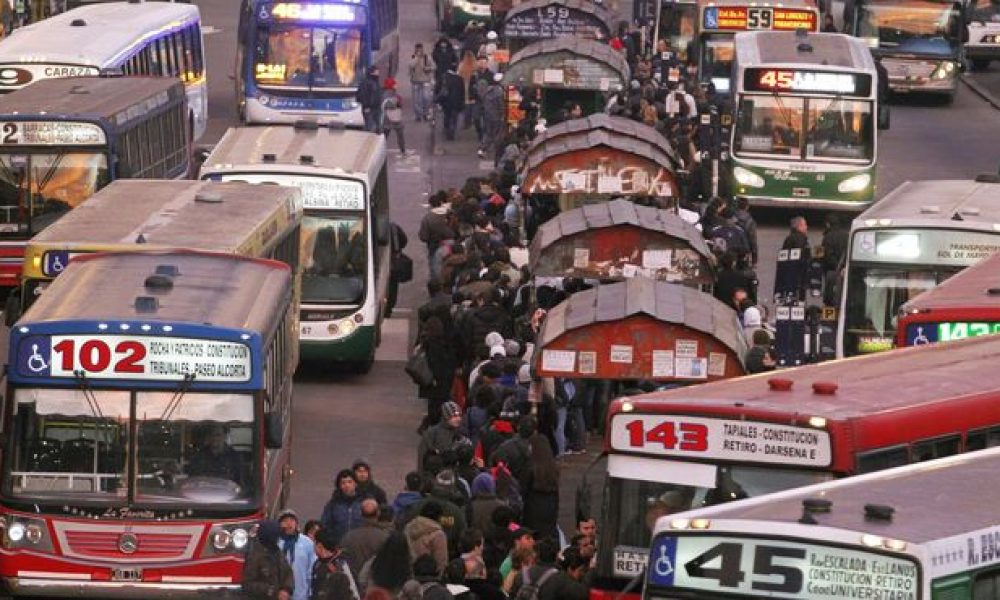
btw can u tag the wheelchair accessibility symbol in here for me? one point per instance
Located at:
(661, 568)
(55, 262)
(36, 364)
(33, 356)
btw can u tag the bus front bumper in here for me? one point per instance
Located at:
(266, 114)
(113, 590)
(815, 203)
(358, 345)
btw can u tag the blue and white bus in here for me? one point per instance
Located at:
(298, 60)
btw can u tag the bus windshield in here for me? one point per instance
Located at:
(58, 181)
(874, 295)
(638, 504)
(335, 256)
(836, 129)
(915, 23)
(717, 60)
(677, 23)
(73, 444)
(309, 57)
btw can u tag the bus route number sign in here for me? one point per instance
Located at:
(801, 81)
(133, 357)
(778, 569)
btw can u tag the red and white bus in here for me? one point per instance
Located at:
(966, 305)
(707, 444)
(147, 425)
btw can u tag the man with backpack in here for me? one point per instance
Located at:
(544, 580)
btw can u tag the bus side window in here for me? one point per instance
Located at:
(936, 448)
(199, 59)
(982, 439)
(986, 585)
(883, 459)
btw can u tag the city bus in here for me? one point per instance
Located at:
(720, 20)
(805, 120)
(921, 43)
(129, 38)
(918, 235)
(147, 425)
(306, 59)
(62, 140)
(966, 305)
(904, 533)
(345, 254)
(747, 436)
(139, 214)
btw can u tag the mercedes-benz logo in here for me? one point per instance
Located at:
(128, 543)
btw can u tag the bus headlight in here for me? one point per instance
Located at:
(747, 177)
(854, 184)
(33, 533)
(944, 70)
(240, 538)
(221, 539)
(15, 532)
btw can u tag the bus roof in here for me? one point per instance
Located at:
(956, 203)
(277, 148)
(210, 289)
(974, 287)
(923, 513)
(95, 34)
(177, 214)
(773, 48)
(908, 379)
(86, 97)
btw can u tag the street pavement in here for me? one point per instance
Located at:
(340, 417)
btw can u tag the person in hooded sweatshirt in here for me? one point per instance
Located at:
(484, 502)
(425, 535)
(266, 573)
(407, 498)
(331, 575)
(299, 552)
(343, 511)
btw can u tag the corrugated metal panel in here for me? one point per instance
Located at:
(598, 215)
(619, 125)
(581, 47)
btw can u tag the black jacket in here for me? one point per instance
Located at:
(452, 95)
(370, 93)
(330, 580)
(266, 572)
(483, 320)
(558, 586)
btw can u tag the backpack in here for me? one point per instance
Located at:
(531, 591)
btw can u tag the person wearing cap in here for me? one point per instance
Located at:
(440, 438)
(299, 552)
(343, 511)
(266, 573)
(484, 502)
(362, 542)
(367, 488)
(331, 577)
(523, 540)
(391, 113)
(369, 96)
(494, 109)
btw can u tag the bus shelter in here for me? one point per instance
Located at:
(617, 240)
(598, 158)
(566, 69)
(641, 329)
(536, 20)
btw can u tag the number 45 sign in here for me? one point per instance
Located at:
(777, 569)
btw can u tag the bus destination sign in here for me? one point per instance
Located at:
(918, 334)
(315, 12)
(721, 439)
(779, 569)
(151, 358)
(806, 81)
(758, 18)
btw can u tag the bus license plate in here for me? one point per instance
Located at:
(126, 574)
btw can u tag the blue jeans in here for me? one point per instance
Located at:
(560, 432)
(421, 102)
(570, 429)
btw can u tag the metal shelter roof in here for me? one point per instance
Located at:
(667, 302)
(588, 6)
(610, 214)
(601, 130)
(598, 51)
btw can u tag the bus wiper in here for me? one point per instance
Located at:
(88, 394)
(175, 400)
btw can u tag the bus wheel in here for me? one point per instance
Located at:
(980, 64)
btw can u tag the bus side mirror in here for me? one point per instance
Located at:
(883, 116)
(274, 431)
(384, 233)
(12, 309)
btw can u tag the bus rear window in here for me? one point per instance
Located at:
(883, 459)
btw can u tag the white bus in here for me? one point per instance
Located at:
(914, 238)
(130, 38)
(805, 120)
(345, 233)
(929, 531)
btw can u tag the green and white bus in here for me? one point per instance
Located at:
(346, 231)
(805, 120)
(928, 531)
